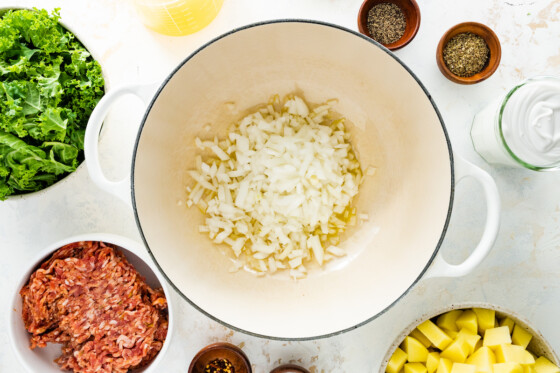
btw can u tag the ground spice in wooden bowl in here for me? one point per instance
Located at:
(466, 54)
(386, 23)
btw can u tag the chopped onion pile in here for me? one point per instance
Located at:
(280, 187)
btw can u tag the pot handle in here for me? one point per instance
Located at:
(440, 267)
(121, 188)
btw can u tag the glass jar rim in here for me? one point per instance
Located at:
(552, 167)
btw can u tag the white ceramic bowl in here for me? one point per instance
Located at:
(95, 55)
(395, 127)
(41, 359)
(539, 346)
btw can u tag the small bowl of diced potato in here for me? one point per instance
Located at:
(467, 339)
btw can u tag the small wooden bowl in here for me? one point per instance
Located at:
(289, 368)
(491, 40)
(220, 350)
(411, 13)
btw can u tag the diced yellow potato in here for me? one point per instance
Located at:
(529, 369)
(528, 358)
(463, 368)
(432, 362)
(457, 351)
(468, 321)
(507, 368)
(496, 336)
(397, 361)
(483, 358)
(451, 333)
(478, 344)
(470, 338)
(508, 353)
(521, 337)
(415, 350)
(448, 320)
(543, 365)
(506, 321)
(486, 319)
(415, 368)
(435, 334)
(420, 337)
(502, 348)
(444, 366)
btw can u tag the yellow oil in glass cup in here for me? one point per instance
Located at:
(177, 17)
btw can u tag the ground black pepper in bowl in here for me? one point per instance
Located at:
(466, 54)
(386, 23)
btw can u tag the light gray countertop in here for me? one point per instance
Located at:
(521, 273)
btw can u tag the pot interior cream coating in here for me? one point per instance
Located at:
(394, 127)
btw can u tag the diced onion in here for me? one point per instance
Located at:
(280, 187)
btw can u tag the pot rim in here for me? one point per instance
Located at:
(466, 305)
(96, 56)
(126, 244)
(340, 28)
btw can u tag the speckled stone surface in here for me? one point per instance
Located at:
(521, 273)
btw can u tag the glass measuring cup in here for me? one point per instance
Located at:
(177, 17)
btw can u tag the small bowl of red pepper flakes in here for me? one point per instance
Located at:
(220, 357)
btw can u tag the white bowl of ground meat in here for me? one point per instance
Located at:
(91, 303)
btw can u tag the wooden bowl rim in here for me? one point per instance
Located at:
(287, 368)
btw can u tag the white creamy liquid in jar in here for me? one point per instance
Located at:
(531, 122)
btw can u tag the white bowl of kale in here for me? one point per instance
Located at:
(49, 85)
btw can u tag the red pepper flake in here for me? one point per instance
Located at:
(219, 366)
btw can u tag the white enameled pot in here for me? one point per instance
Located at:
(42, 359)
(395, 126)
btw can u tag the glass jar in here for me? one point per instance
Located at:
(177, 17)
(522, 129)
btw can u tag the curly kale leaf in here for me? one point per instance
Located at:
(49, 85)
